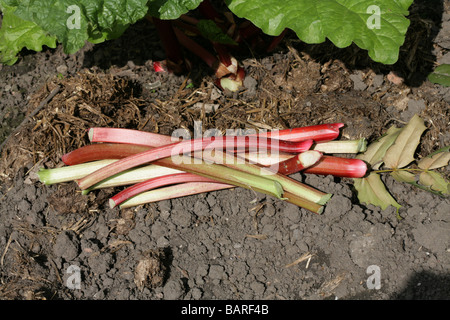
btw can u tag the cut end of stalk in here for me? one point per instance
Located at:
(362, 145)
(325, 199)
(112, 203)
(44, 176)
(91, 134)
(309, 158)
(232, 85)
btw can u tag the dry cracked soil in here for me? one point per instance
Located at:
(231, 244)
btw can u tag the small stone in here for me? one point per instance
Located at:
(62, 69)
(394, 78)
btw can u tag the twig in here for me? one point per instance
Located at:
(305, 256)
(6, 249)
(31, 115)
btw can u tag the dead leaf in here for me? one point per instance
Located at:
(401, 153)
(371, 190)
(437, 160)
(403, 176)
(435, 181)
(376, 150)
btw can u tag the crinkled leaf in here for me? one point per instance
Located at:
(171, 9)
(17, 34)
(378, 26)
(437, 160)
(401, 153)
(75, 22)
(403, 176)
(371, 190)
(441, 75)
(212, 32)
(435, 181)
(376, 150)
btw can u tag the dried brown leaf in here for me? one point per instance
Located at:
(436, 161)
(401, 153)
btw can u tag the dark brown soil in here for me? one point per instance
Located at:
(231, 244)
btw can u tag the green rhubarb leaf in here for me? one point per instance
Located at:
(16, 34)
(441, 75)
(435, 182)
(401, 153)
(371, 190)
(212, 32)
(75, 22)
(376, 150)
(171, 9)
(378, 26)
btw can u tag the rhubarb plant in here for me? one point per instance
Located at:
(394, 153)
(441, 75)
(378, 26)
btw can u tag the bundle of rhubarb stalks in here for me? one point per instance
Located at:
(154, 167)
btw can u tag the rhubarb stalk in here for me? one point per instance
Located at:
(70, 173)
(342, 146)
(174, 55)
(318, 133)
(188, 146)
(339, 167)
(155, 183)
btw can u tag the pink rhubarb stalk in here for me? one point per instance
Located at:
(322, 132)
(155, 183)
(128, 136)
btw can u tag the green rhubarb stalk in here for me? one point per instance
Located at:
(289, 185)
(131, 176)
(227, 175)
(70, 173)
(342, 146)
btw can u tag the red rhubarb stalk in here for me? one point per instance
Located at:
(321, 132)
(276, 41)
(197, 49)
(339, 167)
(172, 48)
(299, 162)
(174, 149)
(101, 151)
(208, 11)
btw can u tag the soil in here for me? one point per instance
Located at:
(230, 244)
